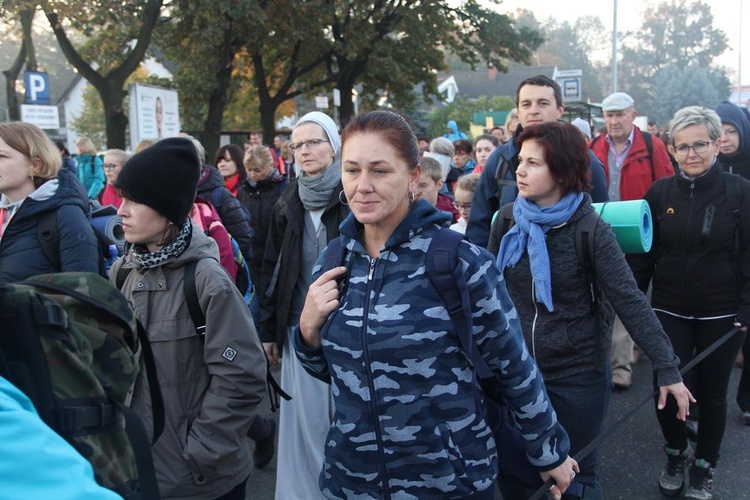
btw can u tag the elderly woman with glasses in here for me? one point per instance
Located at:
(306, 217)
(700, 266)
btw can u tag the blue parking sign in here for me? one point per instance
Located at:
(37, 87)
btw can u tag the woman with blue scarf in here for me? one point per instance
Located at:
(553, 297)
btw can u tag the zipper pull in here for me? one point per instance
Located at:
(372, 268)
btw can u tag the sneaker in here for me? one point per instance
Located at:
(746, 418)
(701, 481)
(672, 479)
(265, 448)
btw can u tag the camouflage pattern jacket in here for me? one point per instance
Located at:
(211, 386)
(409, 421)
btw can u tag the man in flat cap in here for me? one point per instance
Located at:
(632, 160)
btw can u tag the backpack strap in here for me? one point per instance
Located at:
(157, 400)
(447, 277)
(49, 237)
(650, 148)
(335, 254)
(585, 252)
(191, 298)
(199, 323)
(502, 171)
(216, 197)
(734, 197)
(507, 220)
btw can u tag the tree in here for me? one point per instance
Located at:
(390, 45)
(572, 46)
(111, 27)
(462, 112)
(680, 87)
(241, 61)
(27, 55)
(47, 52)
(674, 34)
(206, 36)
(289, 61)
(91, 122)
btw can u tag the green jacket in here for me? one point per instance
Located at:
(211, 389)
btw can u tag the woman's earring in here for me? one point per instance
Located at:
(343, 199)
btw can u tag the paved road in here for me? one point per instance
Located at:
(631, 458)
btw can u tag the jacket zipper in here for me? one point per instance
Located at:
(533, 323)
(370, 384)
(689, 246)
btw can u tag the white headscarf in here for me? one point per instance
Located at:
(329, 126)
(316, 192)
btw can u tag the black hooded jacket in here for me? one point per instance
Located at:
(739, 162)
(697, 269)
(232, 213)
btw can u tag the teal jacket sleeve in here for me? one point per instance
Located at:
(97, 184)
(35, 462)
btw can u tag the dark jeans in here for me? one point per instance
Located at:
(709, 382)
(743, 391)
(581, 402)
(237, 493)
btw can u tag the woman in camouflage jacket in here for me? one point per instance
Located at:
(409, 421)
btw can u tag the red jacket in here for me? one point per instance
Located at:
(636, 175)
(108, 196)
(445, 203)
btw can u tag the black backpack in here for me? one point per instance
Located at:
(48, 234)
(447, 277)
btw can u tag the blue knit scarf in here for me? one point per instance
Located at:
(528, 235)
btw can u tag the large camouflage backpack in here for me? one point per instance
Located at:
(71, 342)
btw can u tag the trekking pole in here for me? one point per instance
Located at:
(604, 435)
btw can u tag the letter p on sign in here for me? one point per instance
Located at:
(37, 88)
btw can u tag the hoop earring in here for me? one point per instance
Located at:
(411, 199)
(343, 199)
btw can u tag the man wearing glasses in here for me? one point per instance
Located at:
(631, 166)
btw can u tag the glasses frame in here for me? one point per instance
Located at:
(110, 166)
(699, 148)
(310, 143)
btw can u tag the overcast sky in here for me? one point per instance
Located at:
(629, 14)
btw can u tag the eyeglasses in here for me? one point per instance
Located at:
(110, 166)
(698, 147)
(461, 206)
(310, 144)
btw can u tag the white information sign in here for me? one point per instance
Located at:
(44, 117)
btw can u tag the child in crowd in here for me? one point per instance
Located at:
(463, 159)
(430, 182)
(486, 144)
(465, 187)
